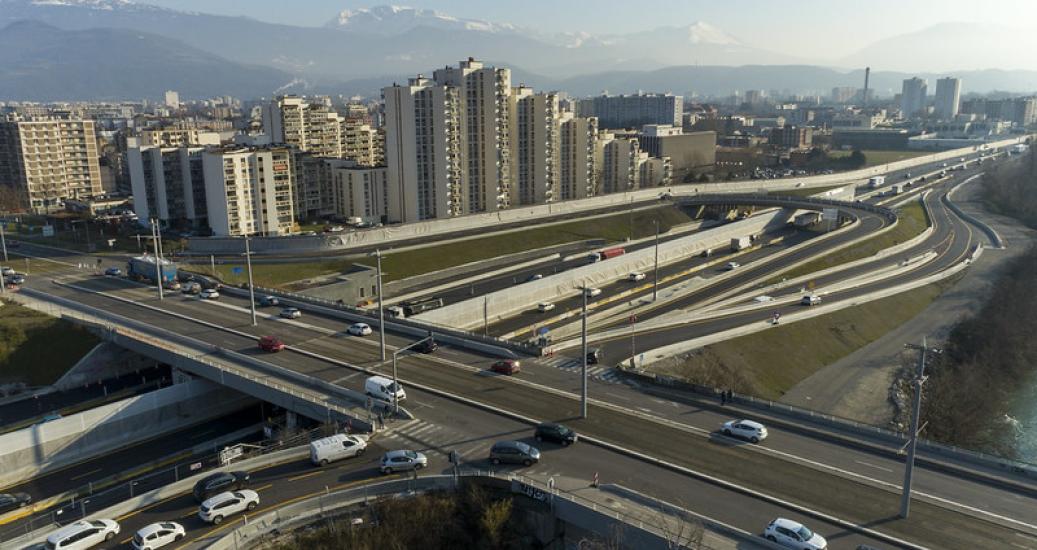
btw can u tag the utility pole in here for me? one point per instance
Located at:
(655, 287)
(251, 286)
(916, 410)
(3, 238)
(381, 310)
(158, 259)
(633, 353)
(485, 315)
(583, 375)
(212, 263)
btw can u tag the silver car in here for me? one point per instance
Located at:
(401, 461)
(745, 429)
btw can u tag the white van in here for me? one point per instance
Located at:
(380, 387)
(337, 447)
(83, 534)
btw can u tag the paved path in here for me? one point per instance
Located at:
(857, 386)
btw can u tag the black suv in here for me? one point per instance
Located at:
(219, 482)
(427, 346)
(557, 433)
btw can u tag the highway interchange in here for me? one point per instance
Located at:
(802, 466)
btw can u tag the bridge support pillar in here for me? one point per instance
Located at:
(291, 421)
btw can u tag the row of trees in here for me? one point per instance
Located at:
(991, 355)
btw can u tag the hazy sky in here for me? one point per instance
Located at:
(806, 28)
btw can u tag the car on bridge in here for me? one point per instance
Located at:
(291, 313)
(157, 535)
(514, 452)
(359, 329)
(192, 287)
(506, 366)
(556, 433)
(14, 501)
(113, 272)
(544, 307)
(427, 345)
(745, 429)
(271, 344)
(534, 277)
(210, 294)
(83, 534)
(731, 266)
(225, 504)
(810, 300)
(269, 301)
(402, 460)
(219, 482)
(592, 291)
(635, 276)
(793, 534)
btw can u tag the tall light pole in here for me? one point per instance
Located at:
(158, 258)
(633, 353)
(655, 286)
(583, 375)
(251, 286)
(381, 309)
(395, 382)
(3, 238)
(916, 410)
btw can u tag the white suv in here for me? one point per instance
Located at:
(226, 504)
(792, 534)
(82, 534)
(157, 535)
(745, 429)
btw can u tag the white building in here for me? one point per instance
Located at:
(249, 191)
(360, 191)
(168, 184)
(536, 125)
(947, 98)
(310, 126)
(172, 99)
(621, 165)
(578, 172)
(362, 143)
(914, 96)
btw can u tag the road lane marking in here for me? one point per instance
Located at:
(264, 487)
(81, 476)
(303, 476)
(870, 465)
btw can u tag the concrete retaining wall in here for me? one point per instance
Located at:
(371, 237)
(509, 301)
(71, 439)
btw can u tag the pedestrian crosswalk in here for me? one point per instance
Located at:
(439, 440)
(601, 373)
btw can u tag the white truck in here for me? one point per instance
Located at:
(740, 243)
(875, 182)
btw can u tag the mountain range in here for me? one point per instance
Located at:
(361, 50)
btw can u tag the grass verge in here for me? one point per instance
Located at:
(769, 363)
(36, 348)
(611, 228)
(276, 275)
(876, 157)
(913, 220)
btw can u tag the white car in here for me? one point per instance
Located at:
(731, 266)
(157, 535)
(359, 329)
(544, 307)
(83, 534)
(397, 461)
(810, 300)
(745, 429)
(793, 534)
(763, 298)
(5, 271)
(209, 294)
(291, 313)
(591, 291)
(635, 276)
(226, 504)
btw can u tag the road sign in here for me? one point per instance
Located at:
(236, 270)
(48, 231)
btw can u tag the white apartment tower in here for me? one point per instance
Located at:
(49, 159)
(913, 96)
(168, 184)
(359, 191)
(249, 190)
(535, 155)
(578, 172)
(947, 98)
(621, 165)
(483, 94)
(172, 99)
(423, 151)
(362, 143)
(312, 127)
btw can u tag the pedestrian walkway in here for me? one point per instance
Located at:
(600, 373)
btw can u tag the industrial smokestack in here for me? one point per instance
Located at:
(864, 96)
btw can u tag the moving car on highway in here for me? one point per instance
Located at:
(514, 452)
(793, 534)
(359, 329)
(556, 433)
(506, 366)
(14, 501)
(291, 313)
(337, 447)
(219, 482)
(592, 291)
(113, 272)
(401, 461)
(271, 344)
(544, 307)
(209, 294)
(157, 535)
(83, 534)
(731, 266)
(226, 504)
(268, 301)
(745, 429)
(810, 300)
(635, 276)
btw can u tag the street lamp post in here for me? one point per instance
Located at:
(633, 352)
(381, 309)
(158, 259)
(583, 375)
(916, 410)
(3, 238)
(251, 286)
(396, 384)
(655, 286)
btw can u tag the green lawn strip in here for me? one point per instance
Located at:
(36, 348)
(275, 275)
(913, 220)
(769, 363)
(806, 191)
(614, 229)
(876, 157)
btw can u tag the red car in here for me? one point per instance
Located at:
(506, 366)
(270, 343)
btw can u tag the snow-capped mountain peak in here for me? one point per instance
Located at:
(387, 20)
(703, 33)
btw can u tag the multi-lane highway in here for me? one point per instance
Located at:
(806, 469)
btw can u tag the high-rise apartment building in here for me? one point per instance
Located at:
(310, 126)
(174, 136)
(621, 165)
(578, 172)
(690, 154)
(947, 98)
(536, 124)
(172, 99)
(913, 96)
(359, 191)
(632, 111)
(655, 172)
(362, 143)
(49, 159)
(249, 191)
(169, 185)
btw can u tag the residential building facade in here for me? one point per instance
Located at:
(632, 111)
(168, 184)
(249, 191)
(309, 126)
(914, 97)
(947, 98)
(578, 171)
